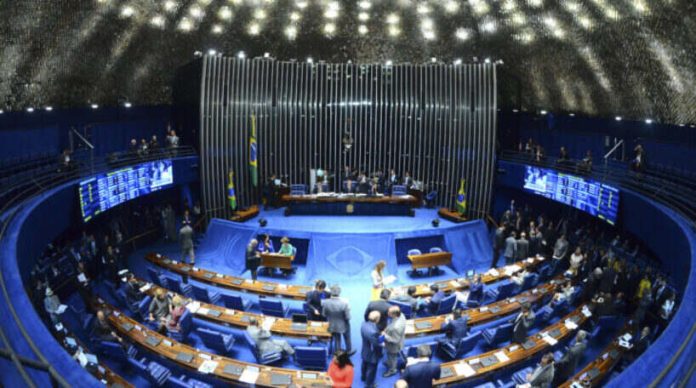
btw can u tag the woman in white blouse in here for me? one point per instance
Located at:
(377, 279)
(576, 260)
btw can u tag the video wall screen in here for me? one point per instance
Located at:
(104, 191)
(588, 195)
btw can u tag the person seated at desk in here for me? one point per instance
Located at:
(287, 249)
(522, 323)
(266, 244)
(421, 372)
(133, 294)
(178, 310)
(363, 185)
(159, 309)
(314, 298)
(519, 277)
(434, 301)
(475, 292)
(264, 342)
(101, 329)
(455, 328)
(564, 292)
(409, 298)
(542, 376)
(52, 305)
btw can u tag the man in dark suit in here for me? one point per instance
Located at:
(542, 376)
(476, 289)
(133, 294)
(382, 306)
(522, 247)
(337, 312)
(522, 323)
(423, 371)
(438, 296)
(371, 349)
(566, 367)
(314, 298)
(498, 244)
(510, 248)
(455, 328)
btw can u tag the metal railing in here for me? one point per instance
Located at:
(12, 205)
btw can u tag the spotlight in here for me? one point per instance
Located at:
(1, 111)
(212, 52)
(571, 114)
(30, 110)
(362, 29)
(648, 121)
(266, 55)
(388, 63)
(127, 104)
(433, 59)
(436, 222)
(241, 55)
(618, 118)
(197, 54)
(543, 112)
(310, 60)
(487, 60)
(94, 106)
(457, 61)
(515, 110)
(49, 108)
(262, 222)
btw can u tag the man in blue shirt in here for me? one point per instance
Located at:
(423, 371)
(371, 349)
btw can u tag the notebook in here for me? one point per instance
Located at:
(280, 379)
(214, 313)
(488, 361)
(153, 341)
(233, 370)
(495, 309)
(184, 357)
(236, 282)
(126, 326)
(299, 326)
(446, 372)
(269, 287)
(555, 333)
(208, 275)
(528, 344)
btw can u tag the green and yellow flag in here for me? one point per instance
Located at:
(461, 197)
(231, 195)
(253, 162)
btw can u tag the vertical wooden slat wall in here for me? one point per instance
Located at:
(436, 121)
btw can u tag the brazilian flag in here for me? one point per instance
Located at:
(253, 162)
(231, 196)
(461, 197)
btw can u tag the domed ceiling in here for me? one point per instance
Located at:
(634, 58)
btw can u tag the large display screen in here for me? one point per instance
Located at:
(104, 191)
(588, 195)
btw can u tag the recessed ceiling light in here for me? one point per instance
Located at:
(49, 108)
(648, 121)
(95, 106)
(241, 55)
(618, 118)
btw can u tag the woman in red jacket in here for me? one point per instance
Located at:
(341, 370)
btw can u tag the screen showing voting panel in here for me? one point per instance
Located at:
(588, 195)
(104, 191)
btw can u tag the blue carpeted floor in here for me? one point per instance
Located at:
(214, 248)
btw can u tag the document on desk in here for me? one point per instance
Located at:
(570, 325)
(250, 375)
(146, 287)
(550, 340)
(502, 357)
(268, 323)
(202, 311)
(61, 309)
(208, 366)
(193, 307)
(586, 312)
(463, 369)
(410, 327)
(493, 272)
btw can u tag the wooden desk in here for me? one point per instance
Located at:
(139, 334)
(229, 317)
(483, 314)
(352, 198)
(427, 260)
(600, 367)
(463, 283)
(511, 354)
(230, 282)
(276, 260)
(451, 215)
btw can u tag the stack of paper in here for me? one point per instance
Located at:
(268, 323)
(193, 307)
(208, 366)
(61, 309)
(464, 369)
(570, 325)
(146, 287)
(550, 340)
(202, 311)
(586, 312)
(389, 280)
(410, 327)
(493, 272)
(250, 375)
(501, 356)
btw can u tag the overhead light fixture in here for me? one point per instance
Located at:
(648, 121)
(515, 110)
(618, 118)
(571, 114)
(487, 60)
(241, 55)
(362, 29)
(212, 52)
(543, 112)
(49, 108)
(127, 104)
(197, 54)
(1, 111)
(310, 60)
(94, 106)
(217, 29)
(30, 110)
(266, 55)
(457, 61)
(127, 11)
(388, 63)
(433, 59)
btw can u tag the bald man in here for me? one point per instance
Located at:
(371, 349)
(394, 336)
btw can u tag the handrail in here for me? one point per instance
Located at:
(611, 151)
(54, 180)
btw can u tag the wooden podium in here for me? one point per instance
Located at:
(275, 260)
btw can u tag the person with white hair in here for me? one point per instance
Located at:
(52, 305)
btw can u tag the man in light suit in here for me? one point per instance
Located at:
(542, 376)
(522, 247)
(394, 336)
(567, 365)
(337, 313)
(371, 349)
(423, 371)
(510, 248)
(186, 240)
(522, 323)
(264, 342)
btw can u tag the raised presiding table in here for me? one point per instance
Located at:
(224, 368)
(350, 204)
(477, 316)
(485, 364)
(276, 260)
(491, 276)
(229, 317)
(427, 260)
(231, 282)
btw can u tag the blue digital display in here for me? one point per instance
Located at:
(104, 191)
(588, 195)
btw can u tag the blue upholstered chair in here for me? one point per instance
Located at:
(405, 308)
(529, 281)
(185, 323)
(273, 307)
(144, 306)
(235, 302)
(457, 350)
(412, 252)
(501, 292)
(222, 343)
(116, 351)
(520, 377)
(155, 276)
(175, 284)
(412, 350)
(435, 250)
(446, 305)
(204, 295)
(153, 372)
(184, 382)
(265, 359)
(313, 358)
(430, 199)
(498, 335)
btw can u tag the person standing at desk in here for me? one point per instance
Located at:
(253, 258)
(377, 279)
(286, 249)
(186, 240)
(266, 244)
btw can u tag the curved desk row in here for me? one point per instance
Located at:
(599, 368)
(223, 368)
(299, 292)
(319, 330)
(484, 364)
